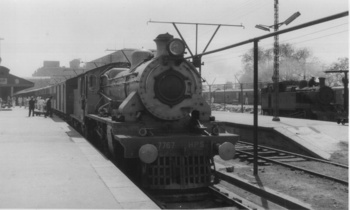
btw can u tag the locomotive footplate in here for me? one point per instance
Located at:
(173, 144)
(176, 162)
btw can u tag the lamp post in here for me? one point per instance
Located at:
(275, 76)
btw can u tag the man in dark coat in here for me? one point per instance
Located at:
(312, 82)
(31, 106)
(48, 107)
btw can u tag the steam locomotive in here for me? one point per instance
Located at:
(317, 102)
(148, 116)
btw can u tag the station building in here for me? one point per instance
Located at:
(52, 72)
(9, 84)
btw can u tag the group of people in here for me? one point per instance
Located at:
(40, 104)
(13, 101)
(10, 102)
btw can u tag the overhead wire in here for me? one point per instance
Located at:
(284, 41)
(239, 9)
(322, 36)
(315, 32)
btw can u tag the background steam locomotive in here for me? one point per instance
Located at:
(317, 102)
(149, 116)
(300, 101)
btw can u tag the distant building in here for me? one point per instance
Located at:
(9, 84)
(52, 73)
(51, 64)
(53, 69)
(74, 64)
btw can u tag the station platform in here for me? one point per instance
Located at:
(321, 138)
(46, 164)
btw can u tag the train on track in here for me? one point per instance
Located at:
(318, 102)
(148, 116)
(301, 101)
(231, 96)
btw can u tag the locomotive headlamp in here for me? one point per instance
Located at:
(226, 150)
(176, 47)
(148, 153)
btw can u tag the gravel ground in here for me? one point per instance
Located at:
(319, 193)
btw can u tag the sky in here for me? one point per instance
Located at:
(34, 31)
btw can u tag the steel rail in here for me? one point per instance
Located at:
(298, 155)
(297, 168)
(269, 194)
(216, 192)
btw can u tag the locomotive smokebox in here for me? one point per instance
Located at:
(161, 42)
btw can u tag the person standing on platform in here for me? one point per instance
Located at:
(26, 100)
(31, 103)
(48, 107)
(20, 102)
(246, 102)
(13, 101)
(40, 103)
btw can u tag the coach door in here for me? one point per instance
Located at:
(83, 94)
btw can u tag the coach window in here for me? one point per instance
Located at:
(92, 82)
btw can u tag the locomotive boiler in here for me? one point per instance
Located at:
(152, 119)
(316, 102)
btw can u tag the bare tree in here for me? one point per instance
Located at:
(336, 79)
(295, 64)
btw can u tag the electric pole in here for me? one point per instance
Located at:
(276, 64)
(275, 77)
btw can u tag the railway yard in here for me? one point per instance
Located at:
(285, 180)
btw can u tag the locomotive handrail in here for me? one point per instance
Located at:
(139, 64)
(109, 99)
(126, 75)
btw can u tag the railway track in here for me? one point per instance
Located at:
(256, 196)
(224, 197)
(268, 155)
(213, 197)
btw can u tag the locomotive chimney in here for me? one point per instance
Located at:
(161, 41)
(322, 81)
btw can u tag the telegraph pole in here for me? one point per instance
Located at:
(276, 65)
(276, 51)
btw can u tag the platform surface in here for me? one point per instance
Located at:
(46, 164)
(324, 136)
